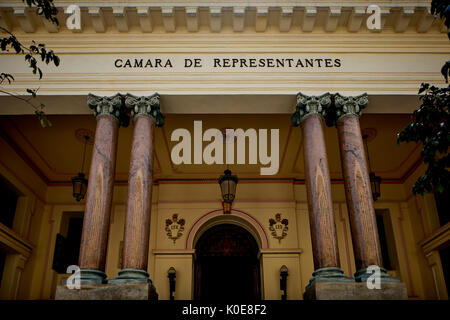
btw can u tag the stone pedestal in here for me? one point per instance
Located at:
(128, 291)
(355, 291)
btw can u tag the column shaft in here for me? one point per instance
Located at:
(309, 114)
(99, 195)
(146, 114)
(321, 217)
(358, 193)
(137, 223)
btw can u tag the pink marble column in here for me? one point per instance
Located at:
(108, 111)
(146, 114)
(309, 114)
(358, 192)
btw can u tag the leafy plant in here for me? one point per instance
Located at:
(442, 8)
(430, 124)
(32, 54)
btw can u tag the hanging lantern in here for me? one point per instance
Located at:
(79, 185)
(375, 182)
(79, 182)
(228, 183)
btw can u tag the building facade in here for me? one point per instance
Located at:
(197, 69)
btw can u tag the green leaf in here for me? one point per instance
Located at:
(445, 71)
(32, 92)
(16, 46)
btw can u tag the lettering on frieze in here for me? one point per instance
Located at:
(223, 63)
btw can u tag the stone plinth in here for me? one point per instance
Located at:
(355, 291)
(139, 291)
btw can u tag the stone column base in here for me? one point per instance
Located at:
(139, 291)
(355, 291)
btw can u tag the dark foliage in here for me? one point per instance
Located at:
(32, 54)
(430, 124)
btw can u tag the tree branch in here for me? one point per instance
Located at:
(20, 98)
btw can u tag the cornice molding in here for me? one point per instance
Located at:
(436, 240)
(225, 16)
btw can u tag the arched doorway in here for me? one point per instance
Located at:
(227, 265)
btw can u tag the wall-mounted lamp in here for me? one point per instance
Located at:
(228, 183)
(171, 274)
(283, 281)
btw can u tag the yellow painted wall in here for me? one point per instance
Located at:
(41, 208)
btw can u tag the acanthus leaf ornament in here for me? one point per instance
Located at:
(174, 227)
(278, 227)
(112, 106)
(309, 105)
(145, 105)
(350, 105)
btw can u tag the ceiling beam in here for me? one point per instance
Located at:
(403, 20)
(215, 19)
(261, 19)
(332, 20)
(23, 16)
(425, 21)
(286, 18)
(356, 19)
(50, 26)
(5, 22)
(145, 20)
(238, 19)
(97, 19)
(384, 13)
(192, 19)
(309, 19)
(168, 16)
(120, 16)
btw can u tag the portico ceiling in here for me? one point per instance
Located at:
(55, 153)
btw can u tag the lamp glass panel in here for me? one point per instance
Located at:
(83, 190)
(77, 185)
(228, 188)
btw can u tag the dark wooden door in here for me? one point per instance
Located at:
(227, 267)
